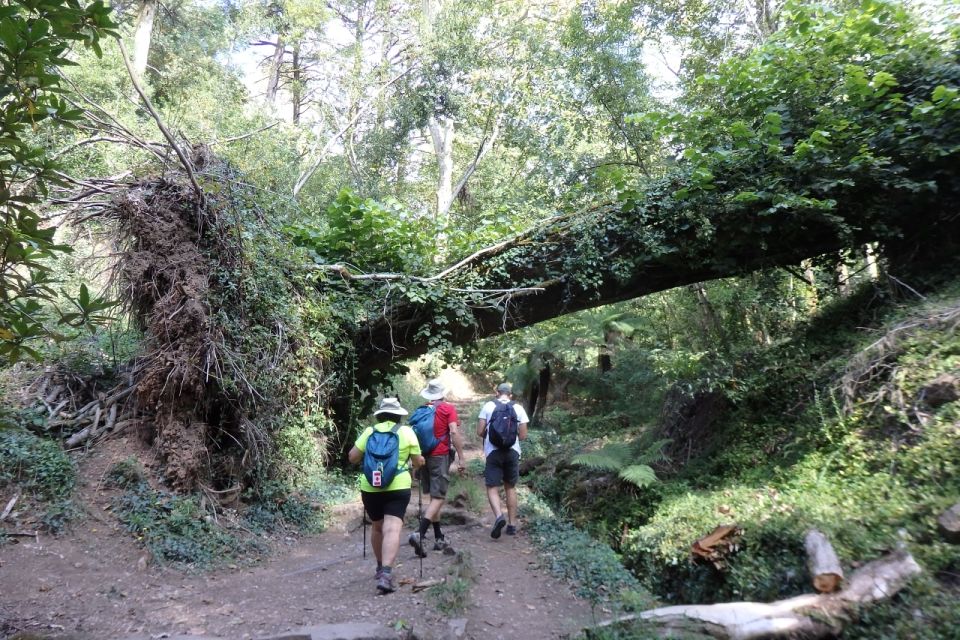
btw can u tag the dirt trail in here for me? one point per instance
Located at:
(92, 583)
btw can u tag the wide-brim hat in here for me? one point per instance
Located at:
(390, 405)
(434, 391)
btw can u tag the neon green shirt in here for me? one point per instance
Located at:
(409, 446)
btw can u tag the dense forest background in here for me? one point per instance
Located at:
(713, 244)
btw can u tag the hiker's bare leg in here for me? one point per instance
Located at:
(391, 539)
(433, 509)
(493, 495)
(511, 491)
(376, 539)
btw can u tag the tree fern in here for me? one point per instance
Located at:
(631, 461)
(612, 457)
(641, 475)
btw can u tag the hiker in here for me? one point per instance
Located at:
(502, 425)
(439, 420)
(388, 449)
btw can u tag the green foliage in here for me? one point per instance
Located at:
(452, 596)
(630, 461)
(176, 530)
(369, 235)
(35, 36)
(592, 567)
(38, 465)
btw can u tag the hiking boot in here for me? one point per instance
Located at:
(511, 530)
(385, 584)
(498, 527)
(417, 543)
(440, 544)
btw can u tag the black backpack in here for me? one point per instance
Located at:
(503, 425)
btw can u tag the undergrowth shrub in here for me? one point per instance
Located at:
(593, 568)
(870, 476)
(453, 595)
(38, 465)
(175, 529)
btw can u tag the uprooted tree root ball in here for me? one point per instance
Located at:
(210, 382)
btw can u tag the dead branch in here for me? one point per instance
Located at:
(9, 507)
(187, 165)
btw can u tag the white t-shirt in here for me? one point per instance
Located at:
(487, 411)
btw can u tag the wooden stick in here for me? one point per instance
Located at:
(6, 512)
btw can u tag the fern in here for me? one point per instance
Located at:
(612, 457)
(641, 475)
(631, 461)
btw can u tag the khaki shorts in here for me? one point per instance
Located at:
(435, 476)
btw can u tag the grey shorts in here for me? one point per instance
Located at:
(435, 476)
(503, 467)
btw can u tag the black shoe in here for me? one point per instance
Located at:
(511, 530)
(497, 527)
(440, 544)
(416, 542)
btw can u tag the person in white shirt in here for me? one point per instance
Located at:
(502, 424)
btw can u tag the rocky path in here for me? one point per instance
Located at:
(93, 584)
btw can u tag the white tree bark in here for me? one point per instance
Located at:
(806, 616)
(142, 36)
(273, 77)
(870, 256)
(822, 562)
(441, 133)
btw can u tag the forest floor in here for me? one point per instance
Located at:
(95, 581)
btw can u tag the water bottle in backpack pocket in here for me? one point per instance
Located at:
(381, 457)
(503, 425)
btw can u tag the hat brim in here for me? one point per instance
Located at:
(432, 396)
(399, 411)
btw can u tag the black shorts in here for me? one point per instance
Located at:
(385, 503)
(503, 467)
(435, 476)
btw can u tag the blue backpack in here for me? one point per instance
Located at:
(503, 425)
(381, 458)
(422, 420)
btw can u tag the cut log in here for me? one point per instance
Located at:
(806, 616)
(822, 562)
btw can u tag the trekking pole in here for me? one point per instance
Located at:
(419, 517)
(363, 516)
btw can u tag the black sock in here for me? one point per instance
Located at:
(436, 530)
(424, 525)
(379, 566)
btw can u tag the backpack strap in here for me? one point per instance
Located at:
(394, 429)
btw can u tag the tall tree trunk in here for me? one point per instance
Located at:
(842, 275)
(709, 321)
(442, 133)
(811, 278)
(273, 78)
(142, 36)
(870, 257)
(296, 90)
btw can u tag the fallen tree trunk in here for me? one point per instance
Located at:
(806, 616)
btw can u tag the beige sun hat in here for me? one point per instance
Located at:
(434, 391)
(390, 405)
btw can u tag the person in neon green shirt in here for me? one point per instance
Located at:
(386, 506)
